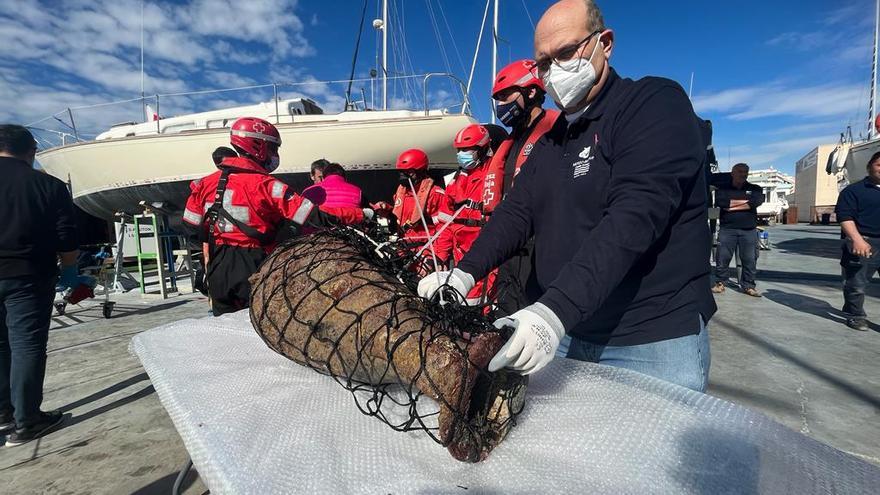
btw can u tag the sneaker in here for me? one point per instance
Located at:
(47, 422)
(718, 288)
(857, 324)
(751, 291)
(7, 423)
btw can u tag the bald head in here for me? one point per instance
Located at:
(569, 14)
(574, 29)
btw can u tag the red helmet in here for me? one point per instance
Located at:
(472, 136)
(520, 74)
(255, 137)
(412, 159)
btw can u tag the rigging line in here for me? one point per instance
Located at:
(438, 36)
(477, 49)
(528, 15)
(413, 85)
(403, 54)
(436, 28)
(395, 50)
(451, 36)
(409, 89)
(357, 46)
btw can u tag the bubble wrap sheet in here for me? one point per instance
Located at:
(255, 422)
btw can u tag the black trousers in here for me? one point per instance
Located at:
(25, 312)
(729, 242)
(516, 283)
(228, 273)
(857, 272)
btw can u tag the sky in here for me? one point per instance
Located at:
(776, 77)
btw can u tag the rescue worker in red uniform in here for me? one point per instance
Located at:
(239, 209)
(519, 95)
(429, 205)
(465, 194)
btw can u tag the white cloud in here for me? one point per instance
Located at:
(89, 52)
(776, 153)
(775, 99)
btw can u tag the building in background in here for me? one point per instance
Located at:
(816, 189)
(777, 186)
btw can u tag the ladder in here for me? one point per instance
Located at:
(156, 256)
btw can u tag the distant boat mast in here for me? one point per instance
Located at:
(872, 111)
(143, 101)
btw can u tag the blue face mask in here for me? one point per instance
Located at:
(510, 114)
(466, 159)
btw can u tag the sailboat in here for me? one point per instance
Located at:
(853, 168)
(155, 161)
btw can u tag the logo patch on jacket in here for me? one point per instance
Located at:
(581, 167)
(585, 153)
(527, 149)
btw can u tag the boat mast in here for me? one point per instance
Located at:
(143, 101)
(385, 54)
(872, 112)
(495, 53)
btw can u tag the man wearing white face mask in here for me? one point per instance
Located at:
(615, 196)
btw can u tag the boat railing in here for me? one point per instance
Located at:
(75, 122)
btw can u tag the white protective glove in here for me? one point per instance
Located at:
(461, 283)
(369, 214)
(533, 343)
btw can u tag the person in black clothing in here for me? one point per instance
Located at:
(738, 200)
(222, 152)
(615, 196)
(858, 211)
(38, 228)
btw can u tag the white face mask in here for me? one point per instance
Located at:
(273, 164)
(570, 81)
(467, 159)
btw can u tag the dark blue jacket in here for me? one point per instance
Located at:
(617, 204)
(38, 221)
(860, 202)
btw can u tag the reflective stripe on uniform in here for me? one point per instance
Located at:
(446, 217)
(277, 189)
(192, 217)
(258, 135)
(302, 213)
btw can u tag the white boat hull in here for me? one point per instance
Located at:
(857, 159)
(115, 175)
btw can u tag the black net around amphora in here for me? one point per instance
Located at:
(343, 305)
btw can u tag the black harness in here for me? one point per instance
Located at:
(216, 211)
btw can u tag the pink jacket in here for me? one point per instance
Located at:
(334, 192)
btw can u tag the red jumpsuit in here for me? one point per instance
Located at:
(257, 200)
(466, 190)
(434, 204)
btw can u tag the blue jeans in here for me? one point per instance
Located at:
(683, 360)
(25, 311)
(746, 243)
(857, 272)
